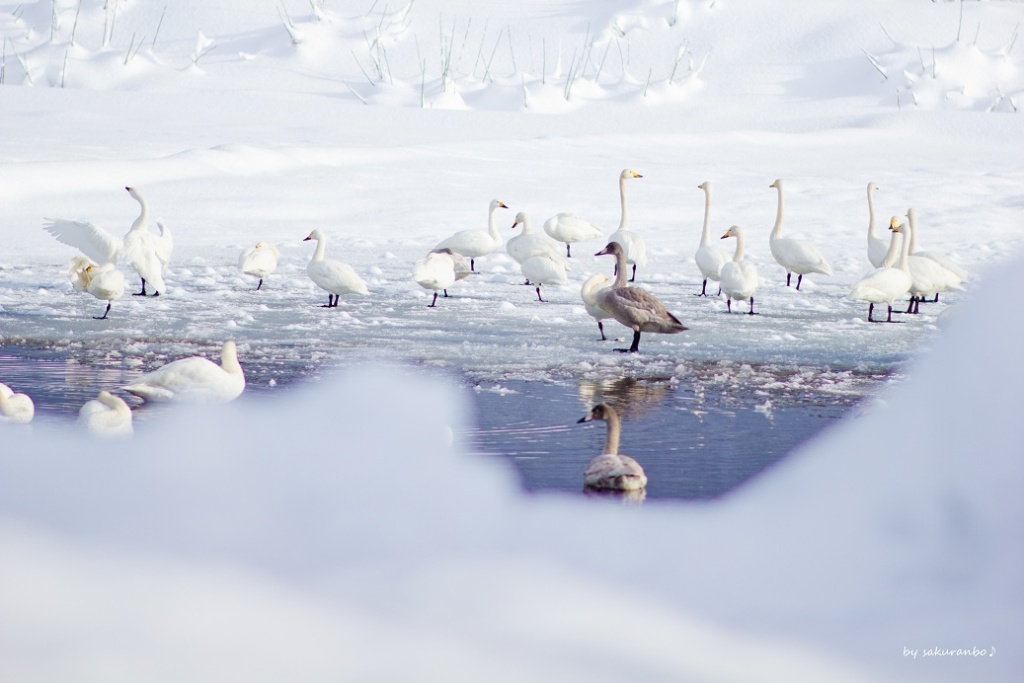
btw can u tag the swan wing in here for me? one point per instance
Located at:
(90, 239)
(611, 471)
(164, 244)
(568, 227)
(710, 260)
(140, 250)
(471, 243)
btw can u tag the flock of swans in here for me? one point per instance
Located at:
(899, 270)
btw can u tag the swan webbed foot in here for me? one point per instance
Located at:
(445, 295)
(143, 292)
(728, 305)
(634, 347)
(703, 289)
(104, 316)
(751, 312)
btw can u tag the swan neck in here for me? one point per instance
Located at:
(229, 360)
(871, 214)
(905, 253)
(611, 441)
(624, 218)
(321, 248)
(492, 226)
(892, 255)
(740, 248)
(777, 230)
(620, 261)
(705, 237)
(143, 220)
(912, 221)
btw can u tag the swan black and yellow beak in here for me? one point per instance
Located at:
(585, 418)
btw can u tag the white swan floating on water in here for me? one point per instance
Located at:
(145, 251)
(796, 256)
(15, 408)
(194, 380)
(634, 307)
(106, 416)
(260, 261)
(335, 277)
(633, 245)
(611, 471)
(738, 276)
(104, 282)
(709, 257)
(476, 243)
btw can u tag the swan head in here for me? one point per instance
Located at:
(315, 235)
(602, 411)
(706, 186)
(734, 231)
(912, 215)
(133, 192)
(894, 224)
(521, 219)
(629, 173)
(498, 204)
(872, 186)
(611, 248)
(777, 184)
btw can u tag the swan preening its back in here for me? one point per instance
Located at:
(611, 471)
(15, 408)
(194, 379)
(570, 228)
(335, 277)
(259, 261)
(476, 243)
(145, 251)
(107, 416)
(634, 307)
(104, 282)
(796, 256)
(544, 269)
(438, 271)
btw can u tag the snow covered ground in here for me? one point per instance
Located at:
(314, 535)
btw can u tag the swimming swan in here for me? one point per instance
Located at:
(588, 292)
(194, 380)
(633, 245)
(709, 257)
(570, 228)
(739, 276)
(888, 283)
(334, 276)
(438, 271)
(15, 408)
(104, 282)
(107, 416)
(259, 261)
(476, 243)
(634, 307)
(140, 248)
(611, 471)
(796, 256)
(544, 269)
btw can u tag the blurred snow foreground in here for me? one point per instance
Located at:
(337, 533)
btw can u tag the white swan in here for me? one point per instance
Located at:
(709, 257)
(888, 283)
(948, 264)
(476, 243)
(104, 282)
(194, 380)
(544, 269)
(877, 246)
(335, 277)
(139, 247)
(611, 471)
(796, 256)
(259, 261)
(15, 408)
(438, 271)
(633, 245)
(164, 245)
(588, 292)
(107, 416)
(634, 307)
(528, 244)
(739, 276)
(929, 277)
(570, 228)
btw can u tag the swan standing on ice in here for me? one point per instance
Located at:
(878, 247)
(959, 273)
(591, 287)
(709, 257)
(438, 271)
(611, 471)
(528, 244)
(15, 408)
(107, 416)
(104, 282)
(739, 276)
(633, 245)
(259, 261)
(139, 247)
(888, 283)
(476, 243)
(928, 276)
(634, 307)
(335, 277)
(796, 256)
(544, 270)
(570, 228)
(194, 380)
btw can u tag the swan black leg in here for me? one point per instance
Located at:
(600, 326)
(635, 346)
(433, 304)
(728, 304)
(472, 266)
(104, 316)
(567, 254)
(799, 279)
(632, 279)
(719, 290)
(539, 298)
(143, 292)
(788, 276)
(703, 289)
(871, 309)
(751, 306)
(259, 285)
